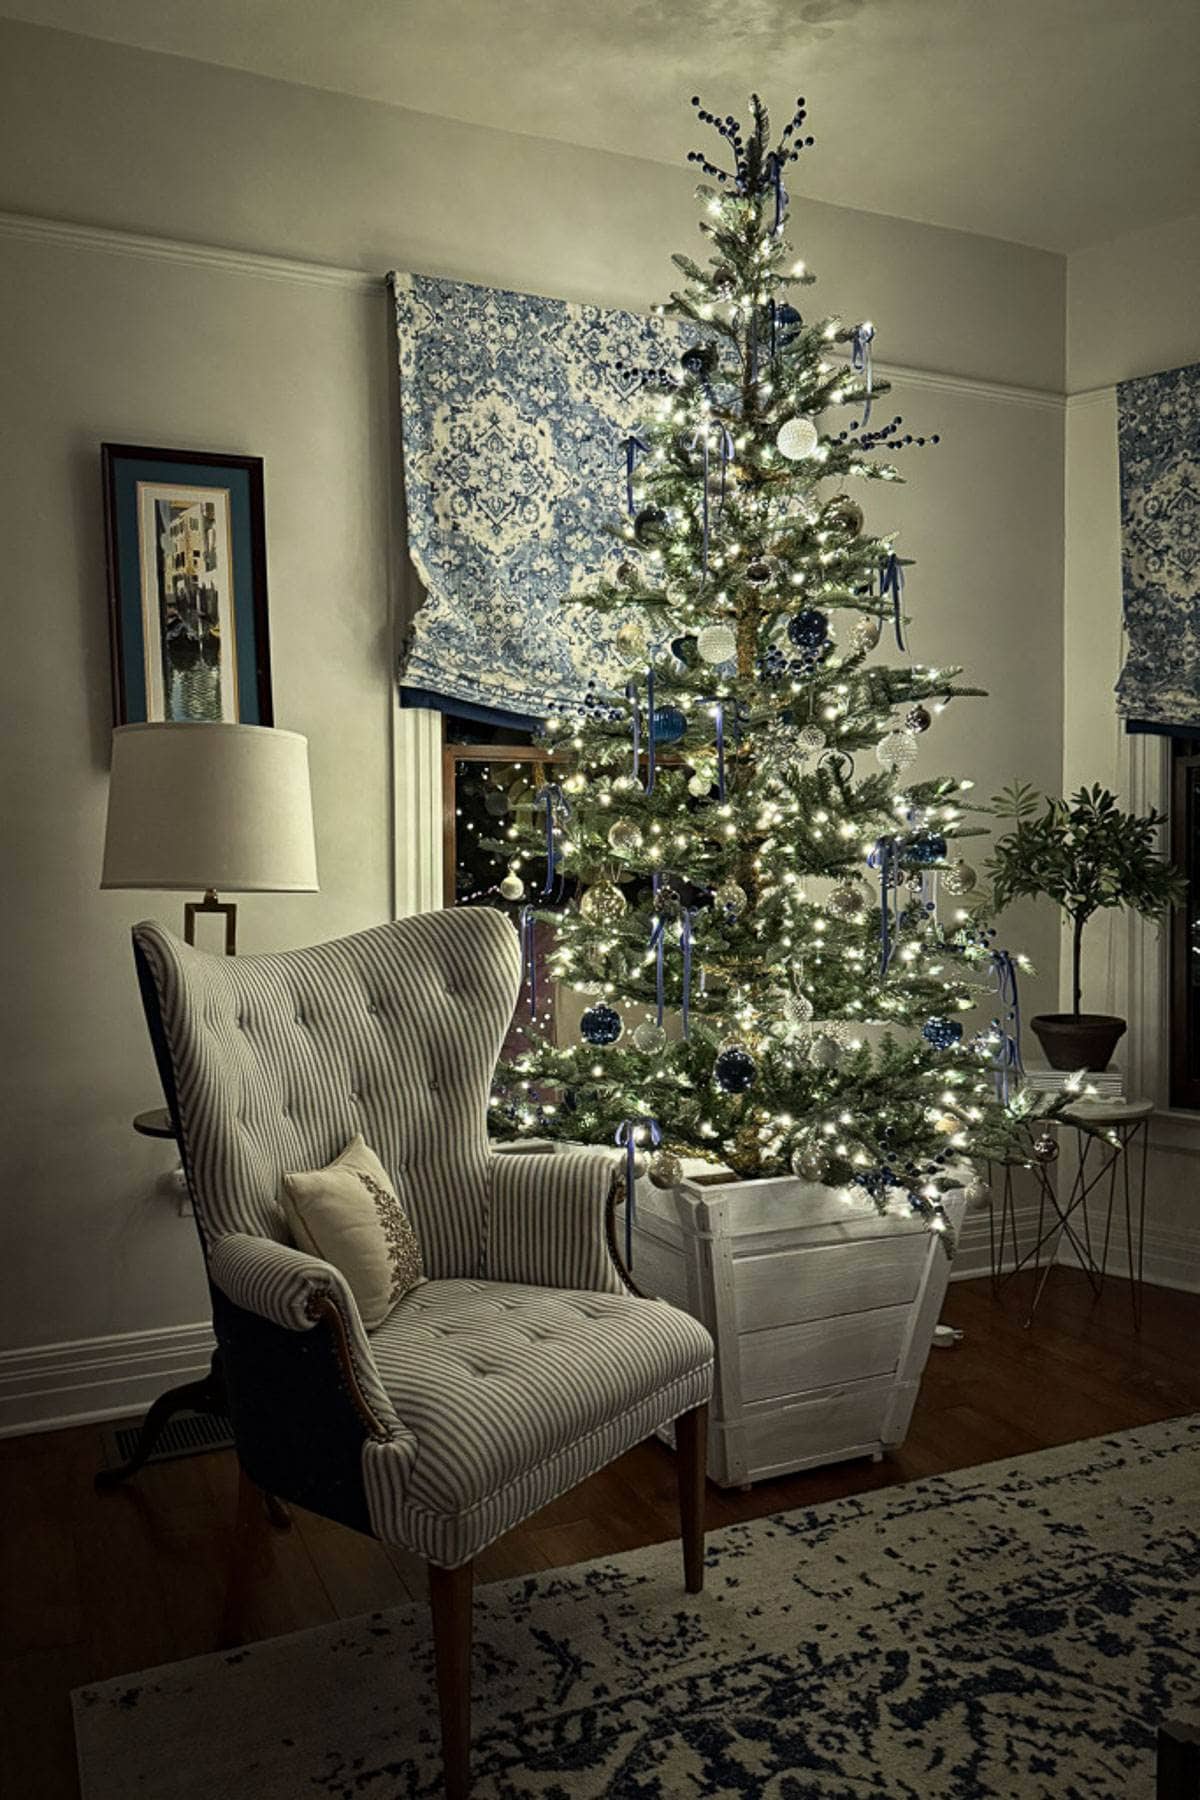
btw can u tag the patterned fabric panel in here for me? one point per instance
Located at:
(281, 1284)
(450, 1539)
(495, 1380)
(279, 1060)
(548, 1220)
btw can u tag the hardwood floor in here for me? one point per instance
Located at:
(93, 1586)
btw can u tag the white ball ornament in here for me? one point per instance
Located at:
(650, 1039)
(896, 751)
(630, 643)
(730, 899)
(825, 1051)
(716, 644)
(797, 439)
(959, 878)
(512, 887)
(798, 1010)
(810, 740)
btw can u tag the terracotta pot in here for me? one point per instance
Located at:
(1078, 1040)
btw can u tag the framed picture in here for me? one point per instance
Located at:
(187, 586)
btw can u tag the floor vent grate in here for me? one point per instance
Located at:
(187, 1434)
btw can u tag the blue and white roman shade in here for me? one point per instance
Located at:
(1158, 424)
(514, 410)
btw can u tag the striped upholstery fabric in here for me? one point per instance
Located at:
(548, 1220)
(279, 1060)
(516, 1393)
(526, 1362)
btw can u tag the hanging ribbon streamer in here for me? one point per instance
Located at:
(631, 445)
(651, 760)
(1009, 1063)
(886, 858)
(892, 582)
(860, 362)
(775, 173)
(720, 750)
(685, 944)
(626, 1139)
(726, 459)
(527, 931)
(657, 940)
(554, 799)
(701, 436)
(635, 719)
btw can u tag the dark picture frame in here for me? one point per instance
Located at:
(185, 535)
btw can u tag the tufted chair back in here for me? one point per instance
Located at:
(273, 1063)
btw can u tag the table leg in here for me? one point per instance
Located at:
(206, 1396)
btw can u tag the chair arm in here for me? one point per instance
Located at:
(290, 1288)
(550, 1223)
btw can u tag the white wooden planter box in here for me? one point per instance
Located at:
(822, 1311)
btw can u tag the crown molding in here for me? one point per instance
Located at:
(108, 240)
(67, 235)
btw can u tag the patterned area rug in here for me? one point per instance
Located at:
(1014, 1630)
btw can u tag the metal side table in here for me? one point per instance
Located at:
(1120, 1158)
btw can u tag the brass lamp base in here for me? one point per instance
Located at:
(210, 904)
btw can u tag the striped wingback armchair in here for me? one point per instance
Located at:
(525, 1362)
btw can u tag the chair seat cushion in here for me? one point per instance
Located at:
(497, 1381)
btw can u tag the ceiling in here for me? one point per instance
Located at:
(1059, 123)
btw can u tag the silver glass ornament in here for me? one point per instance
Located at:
(896, 751)
(917, 719)
(798, 1009)
(865, 634)
(716, 644)
(731, 899)
(603, 904)
(796, 439)
(810, 740)
(625, 837)
(666, 1170)
(825, 1051)
(1045, 1148)
(959, 878)
(650, 1039)
(844, 514)
(809, 1162)
(512, 887)
(848, 901)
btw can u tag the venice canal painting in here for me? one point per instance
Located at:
(188, 614)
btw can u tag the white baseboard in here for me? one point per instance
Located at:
(54, 1385)
(973, 1256)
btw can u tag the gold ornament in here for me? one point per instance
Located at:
(847, 901)
(630, 643)
(666, 1170)
(603, 904)
(845, 514)
(625, 837)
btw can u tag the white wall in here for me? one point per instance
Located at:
(105, 337)
(1130, 311)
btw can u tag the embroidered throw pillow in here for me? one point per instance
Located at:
(348, 1214)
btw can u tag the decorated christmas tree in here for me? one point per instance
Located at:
(767, 916)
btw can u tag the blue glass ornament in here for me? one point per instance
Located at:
(601, 1024)
(787, 323)
(809, 629)
(927, 847)
(941, 1033)
(735, 1069)
(669, 725)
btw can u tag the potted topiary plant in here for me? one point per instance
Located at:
(1087, 855)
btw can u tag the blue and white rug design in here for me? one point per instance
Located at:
(1016, 1630)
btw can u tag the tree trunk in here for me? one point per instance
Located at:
(1076, 961)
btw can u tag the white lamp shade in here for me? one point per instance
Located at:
(210, 806)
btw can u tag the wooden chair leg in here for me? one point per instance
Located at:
(691, 1465)
(450, 1598)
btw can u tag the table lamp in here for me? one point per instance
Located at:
(218, 808)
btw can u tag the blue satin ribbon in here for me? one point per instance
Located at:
(727, 454)
(775, 173)
(701, 436)
(527, 931)
(685, 943)
(554, 799)
(892, 582)
(651, 760)
(657, 937)
(1008, 1056)
(625, 1139)
(860, 361)
(631, 445)
(886, 858)
(635, 717)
